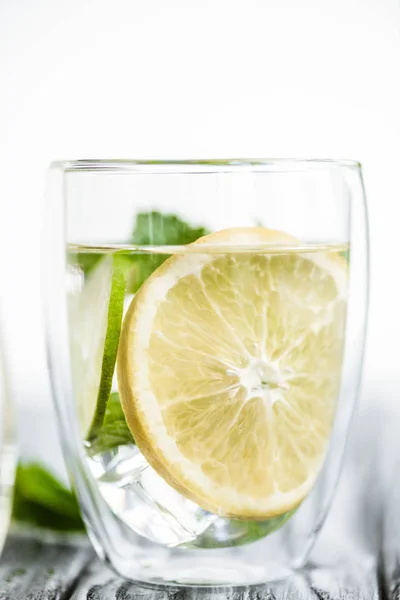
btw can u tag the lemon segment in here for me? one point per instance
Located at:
(229, 370)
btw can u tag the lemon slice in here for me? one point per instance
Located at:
(95, 313)
(229, 369)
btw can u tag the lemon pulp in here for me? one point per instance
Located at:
(229, 370)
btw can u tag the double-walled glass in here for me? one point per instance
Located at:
(205, 329)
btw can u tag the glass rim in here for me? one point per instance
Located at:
(187, 166)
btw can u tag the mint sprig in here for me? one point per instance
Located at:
(114, 431)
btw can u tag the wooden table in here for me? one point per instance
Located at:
(356, 557)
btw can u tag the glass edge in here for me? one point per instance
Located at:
(186, 165)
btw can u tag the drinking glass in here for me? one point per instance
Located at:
(7, 443)
(205, 327)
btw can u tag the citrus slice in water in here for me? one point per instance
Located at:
(229, 368)
(95, 313)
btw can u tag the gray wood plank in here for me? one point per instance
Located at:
(387, 424)
(390, 556)
(347, 581)
(357, 581)
(34, 570)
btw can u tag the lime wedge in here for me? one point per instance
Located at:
(95, 314)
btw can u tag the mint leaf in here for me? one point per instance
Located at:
(88, 260)
(114, 431)
(243, 532)
(36, 484)
(157, 229)
(259, 529)
(41, 500)
(345, 254)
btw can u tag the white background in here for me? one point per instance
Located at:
(185, 78)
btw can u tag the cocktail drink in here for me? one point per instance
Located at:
(205, 351)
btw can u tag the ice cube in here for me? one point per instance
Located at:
(144, 501)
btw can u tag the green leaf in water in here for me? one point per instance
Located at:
(238, 532)
(88, 260)
(345, 254)
(114, 431)
(157, 229)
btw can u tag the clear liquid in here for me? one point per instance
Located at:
(132, 489)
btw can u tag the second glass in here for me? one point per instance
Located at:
(205, 326)
(8, 453)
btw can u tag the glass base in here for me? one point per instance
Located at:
(153, 565)
(198, 571)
